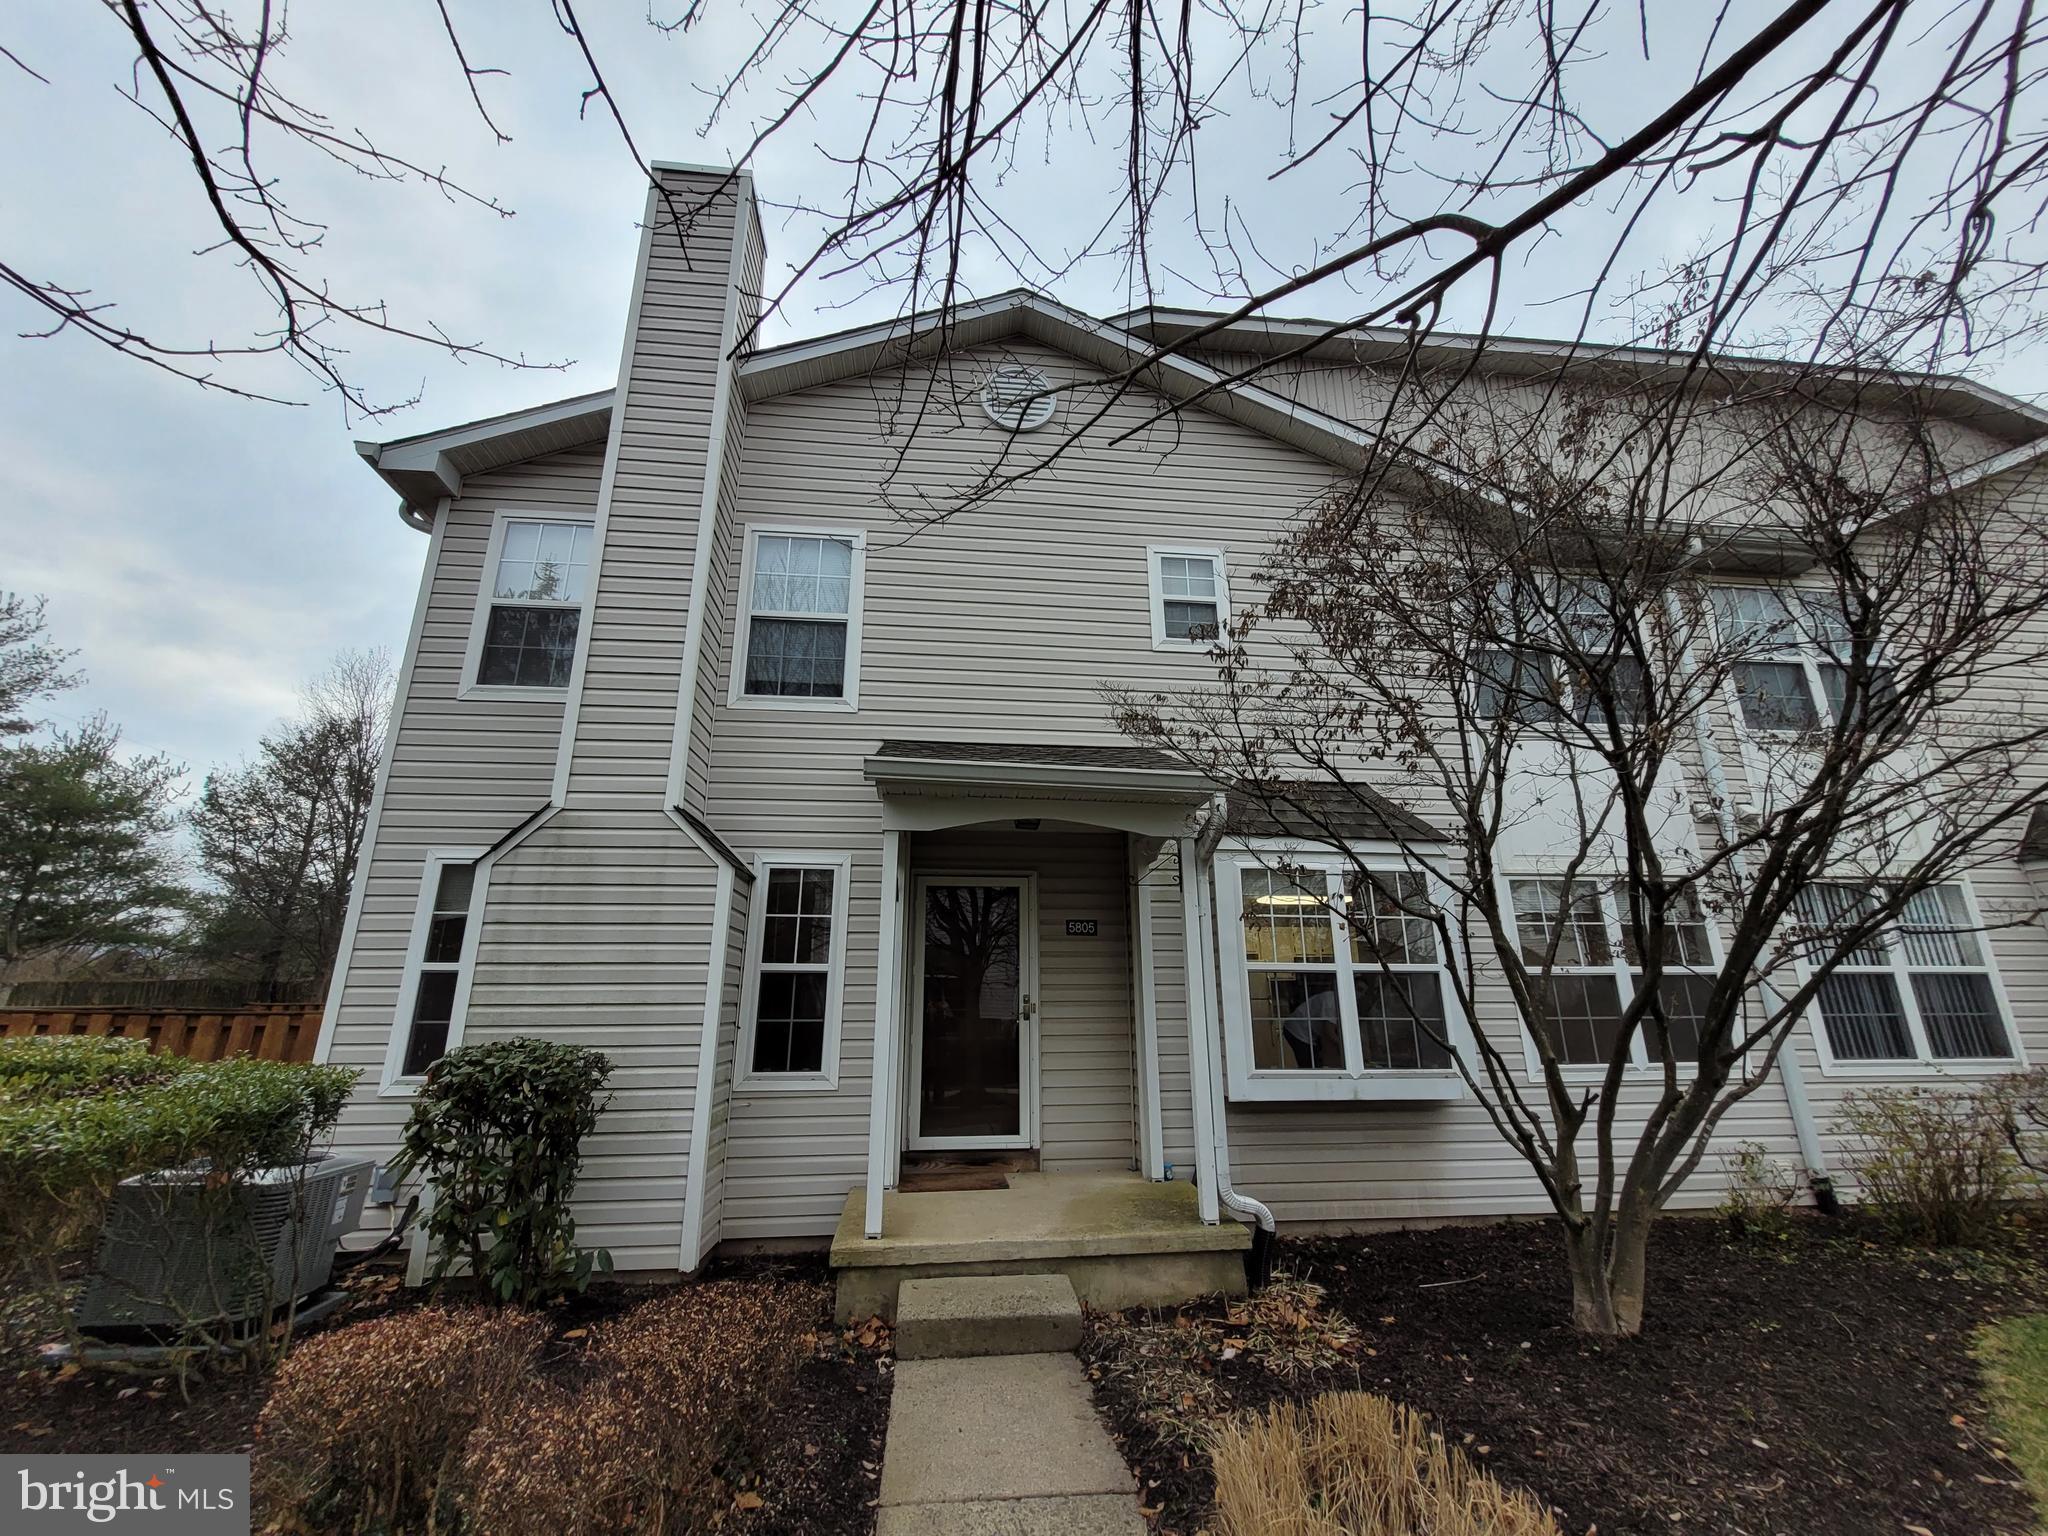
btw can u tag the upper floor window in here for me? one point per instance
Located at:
(1567, 659)
(796, 957)
(1337, 985)
(1794, 658)
(531, 607)
(800, 641)
(1920, 989)
(1190, 597)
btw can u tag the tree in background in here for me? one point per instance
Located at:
(85, 865)
(30, 667)
(278, 836)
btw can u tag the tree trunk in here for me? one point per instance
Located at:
(1607, 1286)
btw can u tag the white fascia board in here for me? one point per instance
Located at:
(422, 470)
(951, 772)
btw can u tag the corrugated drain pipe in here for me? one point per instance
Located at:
(1205, 990)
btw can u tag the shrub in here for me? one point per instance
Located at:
(497, 1129)
(74, 1123)
(671, 1389)
(1760, 1191)
(1353, 1464)
(1934, 1164)
(39, 1068)
(366, 1423)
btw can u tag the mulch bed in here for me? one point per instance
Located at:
(813, 1470)
(1821, 1385)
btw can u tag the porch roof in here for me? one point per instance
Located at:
(932, 784)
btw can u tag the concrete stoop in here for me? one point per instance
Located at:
(987, 1315)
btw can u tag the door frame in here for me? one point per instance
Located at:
(1027, 1027)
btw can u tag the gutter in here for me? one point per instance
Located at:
(1204, 989)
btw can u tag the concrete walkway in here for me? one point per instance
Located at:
(1001, 1445)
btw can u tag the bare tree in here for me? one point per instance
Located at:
(279, 836)
(1598, 615)
(1831, 156)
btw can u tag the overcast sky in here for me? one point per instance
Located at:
(206, 554)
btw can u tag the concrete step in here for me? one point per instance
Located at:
(953, 1318)
(1094, 1514)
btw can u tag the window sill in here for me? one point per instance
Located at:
(401, 1088)
(1915, 1066)
(787, 1082)
(1347, 1088)
(514, 692)
(806, 705)
(1186, 647)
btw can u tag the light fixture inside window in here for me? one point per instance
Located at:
(1017, 399)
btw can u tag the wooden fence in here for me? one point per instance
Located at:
(269, 1031)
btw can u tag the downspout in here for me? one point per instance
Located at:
(1804, 1128)
(1204, 991)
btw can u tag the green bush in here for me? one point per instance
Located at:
(38, 1068)
(497, 1129)
(1935, 1165)
(78, 1117)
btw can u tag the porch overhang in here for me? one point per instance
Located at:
(928, 785)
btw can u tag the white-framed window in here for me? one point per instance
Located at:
(1531, 686)
(440, 959)
(1595, 971)
(1923, 992)
(1793, 675)
(800, 606)
(790, 998)
(530, 604)
(1320, 1007)
(1190, 596)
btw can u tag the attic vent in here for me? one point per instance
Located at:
(1015, 400)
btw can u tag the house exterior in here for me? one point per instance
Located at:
(814, 821)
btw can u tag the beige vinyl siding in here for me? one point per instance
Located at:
(717, 1139)
(998, 625)
(1086, 1036)
(1170, 1002)
(464, 771)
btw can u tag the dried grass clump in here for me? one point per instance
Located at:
(1354, 1464)
(645, 1443)
(366, 1423)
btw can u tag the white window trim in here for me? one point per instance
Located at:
(1923, 1061)
(1161, 641)
(502, 518)
(1624, 979)
(744, 1075)
(1248, 1083)
(743, 612)
(393, 1084)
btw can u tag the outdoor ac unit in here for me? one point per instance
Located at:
(173, 1254)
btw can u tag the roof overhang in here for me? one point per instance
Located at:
(928, 794)
(428, 467)
(1955, 396)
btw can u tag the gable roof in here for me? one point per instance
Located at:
(426, 467)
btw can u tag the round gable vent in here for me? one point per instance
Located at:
(1016, 399)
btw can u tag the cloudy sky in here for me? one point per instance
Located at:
(206, 554)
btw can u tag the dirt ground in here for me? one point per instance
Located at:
(813, 1470)
(1819, 1385)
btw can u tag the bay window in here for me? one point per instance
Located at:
(1335, 982)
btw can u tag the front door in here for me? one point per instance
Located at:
(973, 1082)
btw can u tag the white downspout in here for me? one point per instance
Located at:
(1804, 1128)
(1204, 990)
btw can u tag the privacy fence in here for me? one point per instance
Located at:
(270, 1031)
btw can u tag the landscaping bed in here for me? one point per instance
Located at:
(1816, 1385)
(810, 1464)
